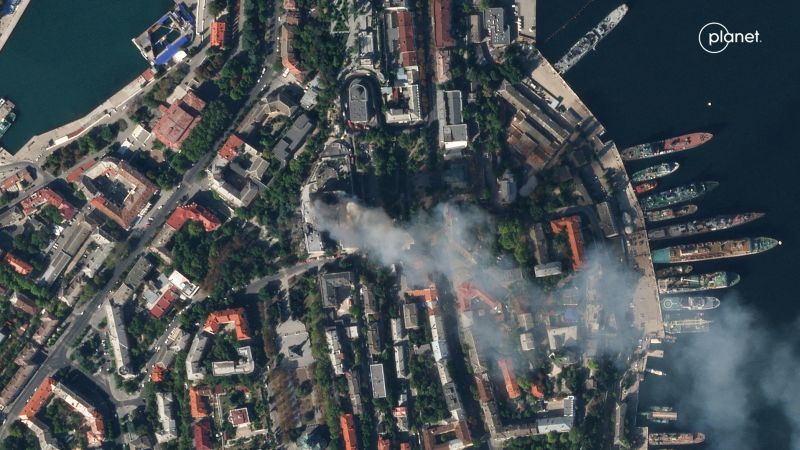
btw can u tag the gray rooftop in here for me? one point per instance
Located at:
(358, 102)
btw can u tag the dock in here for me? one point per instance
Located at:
(9, 22)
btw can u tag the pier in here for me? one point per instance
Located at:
(9, 22)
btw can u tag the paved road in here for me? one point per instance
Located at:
(79, 319)
(56, 357)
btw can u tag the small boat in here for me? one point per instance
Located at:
(645, 187)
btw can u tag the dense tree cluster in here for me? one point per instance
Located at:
(238, 75)
(429, 406)
(216, 118)
(96, 139)
(223, 260)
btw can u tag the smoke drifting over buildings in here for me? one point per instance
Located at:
(457, 242)
(744, 381)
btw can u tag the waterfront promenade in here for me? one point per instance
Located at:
(111, 110)
(8, 23)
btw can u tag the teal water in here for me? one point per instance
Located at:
(65, 58)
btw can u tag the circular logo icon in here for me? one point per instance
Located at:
(712, 37)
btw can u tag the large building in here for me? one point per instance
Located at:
(178, 120)
(117, 190)
(495, 25)
(50, 388)
(237, 180)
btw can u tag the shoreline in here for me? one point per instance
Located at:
(8, 23)
(42, 144)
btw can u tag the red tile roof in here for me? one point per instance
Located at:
(202, 436)
(384, 443)
(235, 316)
(217, 34)
(178, 120)
(141, 191)
(75, 175)
(194, 212)
(46, 195)
(197, 405)
(19, 266)
(239, 417)
(511, 383)
(158, 374)
(572, 225)
(442, 17)
(288, 54)
(165, 302)
(23, 174)
(348, 431)
(148, 75)
(39, 398)
(405, 30)
(231, 147)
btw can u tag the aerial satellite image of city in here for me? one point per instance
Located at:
(399, 225)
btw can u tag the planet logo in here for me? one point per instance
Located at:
(714, 38)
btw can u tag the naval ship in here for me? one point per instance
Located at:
(675, 438)
(590, 40)
(667, 146)
(669, 213)
(661, 414)
(697, 282)
(704, 251)
(653, 172)
(670, 271)
(702, 226)
(677, 195)
(689, 303)
(696, 325)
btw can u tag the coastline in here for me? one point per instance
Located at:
(8, 23)
(41, 145)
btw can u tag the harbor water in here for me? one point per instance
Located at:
(65, 58)
(650, 79)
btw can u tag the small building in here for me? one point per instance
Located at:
(572, 226)
(217, 34)
(495, 24)
(166, 418)
(335, 288)
(335, 348)
(453, 132)
(378, 381)
(281, 101)
(348, 432)
(359, 109)
(18, 264)
(506, 188)
(244, 365)
(547, 270)
(202, 435)
(118, 338)
(410, 316)
(239, 417)
(293, 138)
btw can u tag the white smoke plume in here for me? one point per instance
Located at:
(456, 241)
(738, 371)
